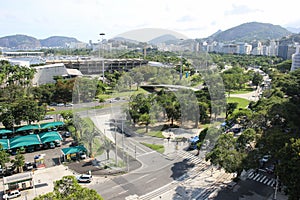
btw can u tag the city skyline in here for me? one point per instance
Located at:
(84, 20)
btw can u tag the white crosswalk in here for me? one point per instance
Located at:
(190, 157)
(261, 178)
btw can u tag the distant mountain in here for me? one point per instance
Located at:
(248, 32)
(57, 41)
(147, 34)
(291, 39)
(19, 42)
(293, 30)
(28, 42)
(123, 40)
(163, 39)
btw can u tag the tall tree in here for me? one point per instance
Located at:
(68, 189)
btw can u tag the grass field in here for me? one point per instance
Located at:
(242, 103)
(242, 91)
(157, 147)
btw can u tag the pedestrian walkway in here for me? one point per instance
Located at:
(261, 178)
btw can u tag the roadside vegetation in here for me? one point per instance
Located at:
(268, 126)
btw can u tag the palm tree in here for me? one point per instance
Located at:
(89, 136)
(19, 161)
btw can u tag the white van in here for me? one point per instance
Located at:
(12, 194)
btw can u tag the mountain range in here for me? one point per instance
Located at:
(246, 32)
(251, 31)
(27, 42)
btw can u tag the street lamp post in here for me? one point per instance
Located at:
(102, 34)
(181, 63)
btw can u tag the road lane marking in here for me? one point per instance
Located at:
(123, 192)
(150, 180)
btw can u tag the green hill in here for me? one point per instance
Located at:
(251, 31)
(19, 42)
(57, 41)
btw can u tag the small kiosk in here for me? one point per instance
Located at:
(39, 161)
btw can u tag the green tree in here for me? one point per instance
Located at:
(19, 161)
(257, 79)
(4, 158)
(89, 136)
(230, 107)
(288, 168)
(68, 189)
(225, 155)
(138, 78)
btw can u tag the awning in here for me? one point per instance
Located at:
(4, 131)
(28, 127)
(51, 124)
(71, 150)
(23, 141)
(49, 136)
(4, 143)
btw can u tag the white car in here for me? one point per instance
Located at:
(265, 158)
(12, 194)
(84, 178)
(82, 155)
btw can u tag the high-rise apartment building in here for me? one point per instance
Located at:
(296, 59)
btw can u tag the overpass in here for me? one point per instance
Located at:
(152, 88)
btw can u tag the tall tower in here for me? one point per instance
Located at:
(296, 59)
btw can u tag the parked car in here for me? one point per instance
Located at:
(60, 104)
(12, 194)
(84, 178)
(265, 158)
(57, 143)
(51, 145)
(270, 169)
(67, 134)
(30, 149)
(28, 166)
(82, 155)
(69, 105)
(48, 117)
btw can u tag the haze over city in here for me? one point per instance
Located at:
(84, 20)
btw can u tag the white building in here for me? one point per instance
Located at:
(46, 73)
(296, 59)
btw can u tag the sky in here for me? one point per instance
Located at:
(86, 19)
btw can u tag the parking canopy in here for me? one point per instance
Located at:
(51, 124)
(49, 136)
(28, 127)
(4, 143)
(4, 131)
(71, 150)
(23, 141)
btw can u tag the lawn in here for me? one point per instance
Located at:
(157, 147)
(242, 91)
(156, 134)
(242, 103)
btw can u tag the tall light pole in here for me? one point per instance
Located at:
(181, 63)
(102, 34)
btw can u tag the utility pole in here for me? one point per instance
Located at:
(181, 63)
(116, 150)
(102, 47)
(276, 188)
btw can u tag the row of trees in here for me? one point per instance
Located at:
(17, 163)
(272, 127)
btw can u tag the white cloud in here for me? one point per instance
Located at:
(86, 19)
